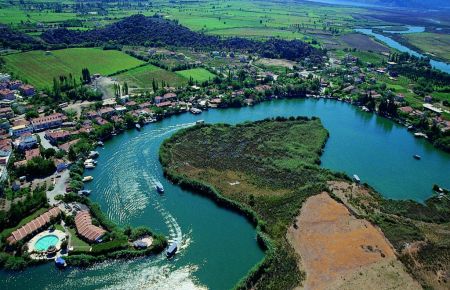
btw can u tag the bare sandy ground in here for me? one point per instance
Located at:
(339, 251)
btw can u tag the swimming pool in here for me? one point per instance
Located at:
(43, 243)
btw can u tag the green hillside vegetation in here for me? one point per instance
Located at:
(197, 74)
(39, 68)
(143, 76)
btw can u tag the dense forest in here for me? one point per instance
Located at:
(16, 40)
(156, 31)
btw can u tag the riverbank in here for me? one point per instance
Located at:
(271, 199)
(227, 184)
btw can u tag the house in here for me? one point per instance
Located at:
(130, 104)
(124, 99)
(166, 98)
(92, 114)
(34, 226)
(14, 85)
(100, 121)
(428, 99)
(120, 109)
(164, 104)
(7, 94)
(27, 90)
(55, 136)
(106, 112)
(145, 105)
(20, 130)
(26, 142)
(406, 110)
(6, 113)
(48, 122)
(85, 228)
(30, 154)
(66, 146)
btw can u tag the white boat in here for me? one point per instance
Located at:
(89, 165)
(420, 135)
(87, 161)
(195, 111)
(87, 178)
(159, 187)
(199, 122)
(356, 178)
(93, 154)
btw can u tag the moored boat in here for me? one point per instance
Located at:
(195, 111)
(138, 126)
(84, 192)
(356, 178)
(89, 165)
(87, 178)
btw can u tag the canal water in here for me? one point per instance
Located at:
(439, 65)
(218, 245)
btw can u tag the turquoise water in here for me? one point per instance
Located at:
(219, 246)
(439, 65)
(43, 243)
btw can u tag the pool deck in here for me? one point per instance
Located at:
(40, 255)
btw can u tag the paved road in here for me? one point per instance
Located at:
(45, 143)
(60, 187)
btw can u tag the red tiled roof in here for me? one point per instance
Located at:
(29, 154)
(48, 119)
(85, 228)
(67, 145)
(33, 226)
(164, 104)
(61, 134)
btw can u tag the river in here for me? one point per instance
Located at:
(219, 246)
(439, 65)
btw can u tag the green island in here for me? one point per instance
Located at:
(267, 169)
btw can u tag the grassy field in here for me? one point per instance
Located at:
(39, 68)
(285, 154)
(77, 243)
(141, 78)
(197, 74)
(433, 43)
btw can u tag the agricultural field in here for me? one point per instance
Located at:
(260, 33)
(256, 19)
(141, 78)
(363, 42)
(39, 68)
(197, 74)
(435, 44)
